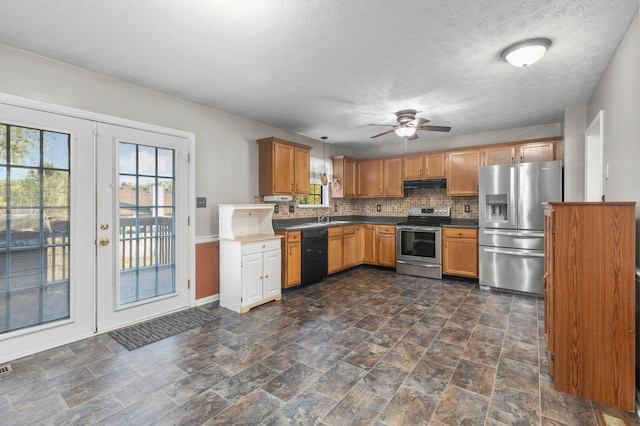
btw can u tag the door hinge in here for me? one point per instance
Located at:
(188, 284)
(553, 230)
(553, 356)
(188, 220)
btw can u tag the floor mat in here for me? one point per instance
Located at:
(151, 331)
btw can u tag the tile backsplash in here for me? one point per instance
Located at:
(424, 197)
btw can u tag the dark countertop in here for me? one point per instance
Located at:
(295, 224)
(459, 222)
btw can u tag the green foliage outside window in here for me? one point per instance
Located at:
(314, 197)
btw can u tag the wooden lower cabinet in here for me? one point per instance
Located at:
(342, 248)
(590, 300)
(386, 246)
(379, 245)
(460, 252)
(291, 258)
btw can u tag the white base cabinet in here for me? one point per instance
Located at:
(250, 273)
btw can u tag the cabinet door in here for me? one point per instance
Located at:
(462, 172)
(293, 262)
(370, 178)
(393, 186)
(387, 249)
(413, 166)
(272, 267)
(548, 281)
(370, 244)
(252, 278)
(434, 165)
(349, 178)
(359, 244)
(535, 151)
(460, 257)
(283, 168)
(334, 260)
(350, 255)
(499, 155)
(302, 174)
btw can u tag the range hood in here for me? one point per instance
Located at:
(425, 183)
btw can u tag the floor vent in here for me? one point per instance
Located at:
(5, 369)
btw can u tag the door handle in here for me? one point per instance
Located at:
(104, 242)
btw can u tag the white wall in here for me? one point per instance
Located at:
(573, 128)
(226, 152)
(618, 94)
(448, 142)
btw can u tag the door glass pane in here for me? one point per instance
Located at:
(146, 246)
(34, 227)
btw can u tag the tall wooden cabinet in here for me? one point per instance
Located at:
(590, 300)
(462, 172)
(284, 167)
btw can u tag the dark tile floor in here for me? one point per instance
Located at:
(363, 347)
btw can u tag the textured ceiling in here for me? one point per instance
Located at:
(330, 67)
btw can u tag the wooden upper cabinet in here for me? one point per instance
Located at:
(535, 151)
(392, 179)
(462, 172)
(380, 178)
(499, 155)
(370, 179)
(283, 167)
(344, 176)
(525, 152)
(423, 166)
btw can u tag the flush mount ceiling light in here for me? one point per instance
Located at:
(406, 131)
(526, 52)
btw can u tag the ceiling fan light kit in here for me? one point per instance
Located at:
(408, 125)
(526, 52)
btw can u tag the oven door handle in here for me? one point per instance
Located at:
(532, 234)
(523, 253)
(419, 228)
(425, 265)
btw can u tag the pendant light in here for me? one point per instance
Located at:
(324, 179)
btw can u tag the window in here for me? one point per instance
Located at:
(318, 193)
(34, 227)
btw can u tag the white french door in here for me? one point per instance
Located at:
(93, 225)
(142, 228)
(47, 252)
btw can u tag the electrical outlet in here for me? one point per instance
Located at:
(276, 208)
(292, 209)
(201, 202)
(467, 208)
(336, 207)
(378, 207)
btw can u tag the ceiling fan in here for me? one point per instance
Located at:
(408, 124)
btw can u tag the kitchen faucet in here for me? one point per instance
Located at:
(324, 216)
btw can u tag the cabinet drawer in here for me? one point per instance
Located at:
(460, 233)
(260, 246)
(349, 229)
(385, 229)
(335, 230)
(293, 236)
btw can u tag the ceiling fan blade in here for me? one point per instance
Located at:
(383, 133)
(383, 125)
(413, 136)
(434, 128)
(418, 122)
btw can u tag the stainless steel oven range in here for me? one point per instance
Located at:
(419, 241)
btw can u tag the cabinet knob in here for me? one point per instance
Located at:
(260, 277)
(266, 276)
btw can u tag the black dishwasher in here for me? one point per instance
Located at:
(314, 255)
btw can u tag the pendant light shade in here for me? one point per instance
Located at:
(526, 52)
(324, 179)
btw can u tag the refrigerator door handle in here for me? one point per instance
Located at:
(532, 234)
(524, 253)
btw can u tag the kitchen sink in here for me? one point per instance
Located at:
(309, 225)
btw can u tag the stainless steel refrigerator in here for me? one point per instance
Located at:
(511, 219)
